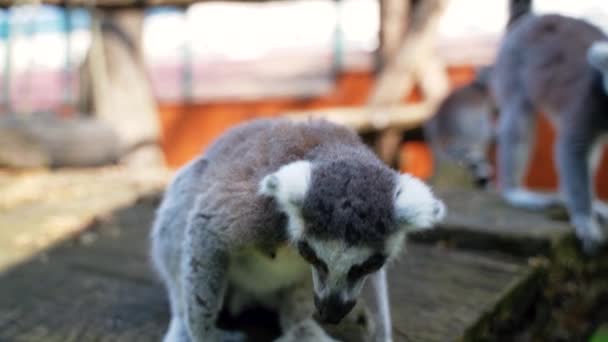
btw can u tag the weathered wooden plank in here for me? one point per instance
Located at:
(413, 61)
(482, 220)
(441, 294)
(101, 288)
(37, 209)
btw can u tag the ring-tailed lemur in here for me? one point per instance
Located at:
(461, 130)
(269, 201)
(558, 65)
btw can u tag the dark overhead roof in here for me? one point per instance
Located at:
(116, 3)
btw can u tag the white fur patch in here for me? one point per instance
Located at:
(598, 55)
(415, 205)
(288, 186)
(339, 258)
(534, 200)
(395, 244)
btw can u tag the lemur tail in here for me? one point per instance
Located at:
(518, 9)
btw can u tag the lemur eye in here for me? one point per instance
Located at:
(310, 256)
(374, 263)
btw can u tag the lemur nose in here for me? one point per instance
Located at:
(482, 182)
(332, 309)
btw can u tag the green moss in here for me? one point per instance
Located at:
(600, 335)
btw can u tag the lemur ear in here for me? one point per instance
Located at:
(288, 185)
(415, 205)
(597, 55)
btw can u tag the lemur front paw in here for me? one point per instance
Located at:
(381, 337)
(232, 336)
(306, 331)
(521, 198)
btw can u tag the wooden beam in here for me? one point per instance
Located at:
(117, 83)
(393, 26)
(413, 58)
(396, 80)
(359, 118)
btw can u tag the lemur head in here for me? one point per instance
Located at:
(348, 218)
(462, 130)
(597, 55)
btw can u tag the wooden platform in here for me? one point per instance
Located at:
(482, 221)
(98, 286)
(39, 208)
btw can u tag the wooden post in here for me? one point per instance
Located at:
(412, 61)
(67, 107)
(393, 25)
(396, 79)
(119, 88)
(8, 44)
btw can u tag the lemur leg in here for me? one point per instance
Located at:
(166, 261)
(516, 130)
(295, 316)
(600, 208)
(383, 323)
(177, 331)
(572, 152)
(177, 328)
(204, 269)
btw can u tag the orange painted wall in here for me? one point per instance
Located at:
(189, 128)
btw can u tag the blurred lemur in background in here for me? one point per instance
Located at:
(461, 131)
(274, 211)
(549, 63)
(558, 65)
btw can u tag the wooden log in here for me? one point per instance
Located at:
(120, 93)
(414, 61)
(34, 142)
(364, 119)
(396, 80)
(393, 25)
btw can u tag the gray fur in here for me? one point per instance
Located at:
(351, 200)
(216, 230)
(461, 130)
(543, 65)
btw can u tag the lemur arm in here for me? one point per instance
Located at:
(515, 139)
(572, 152)
(384, 329)
(295, 317)
(205, 262)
